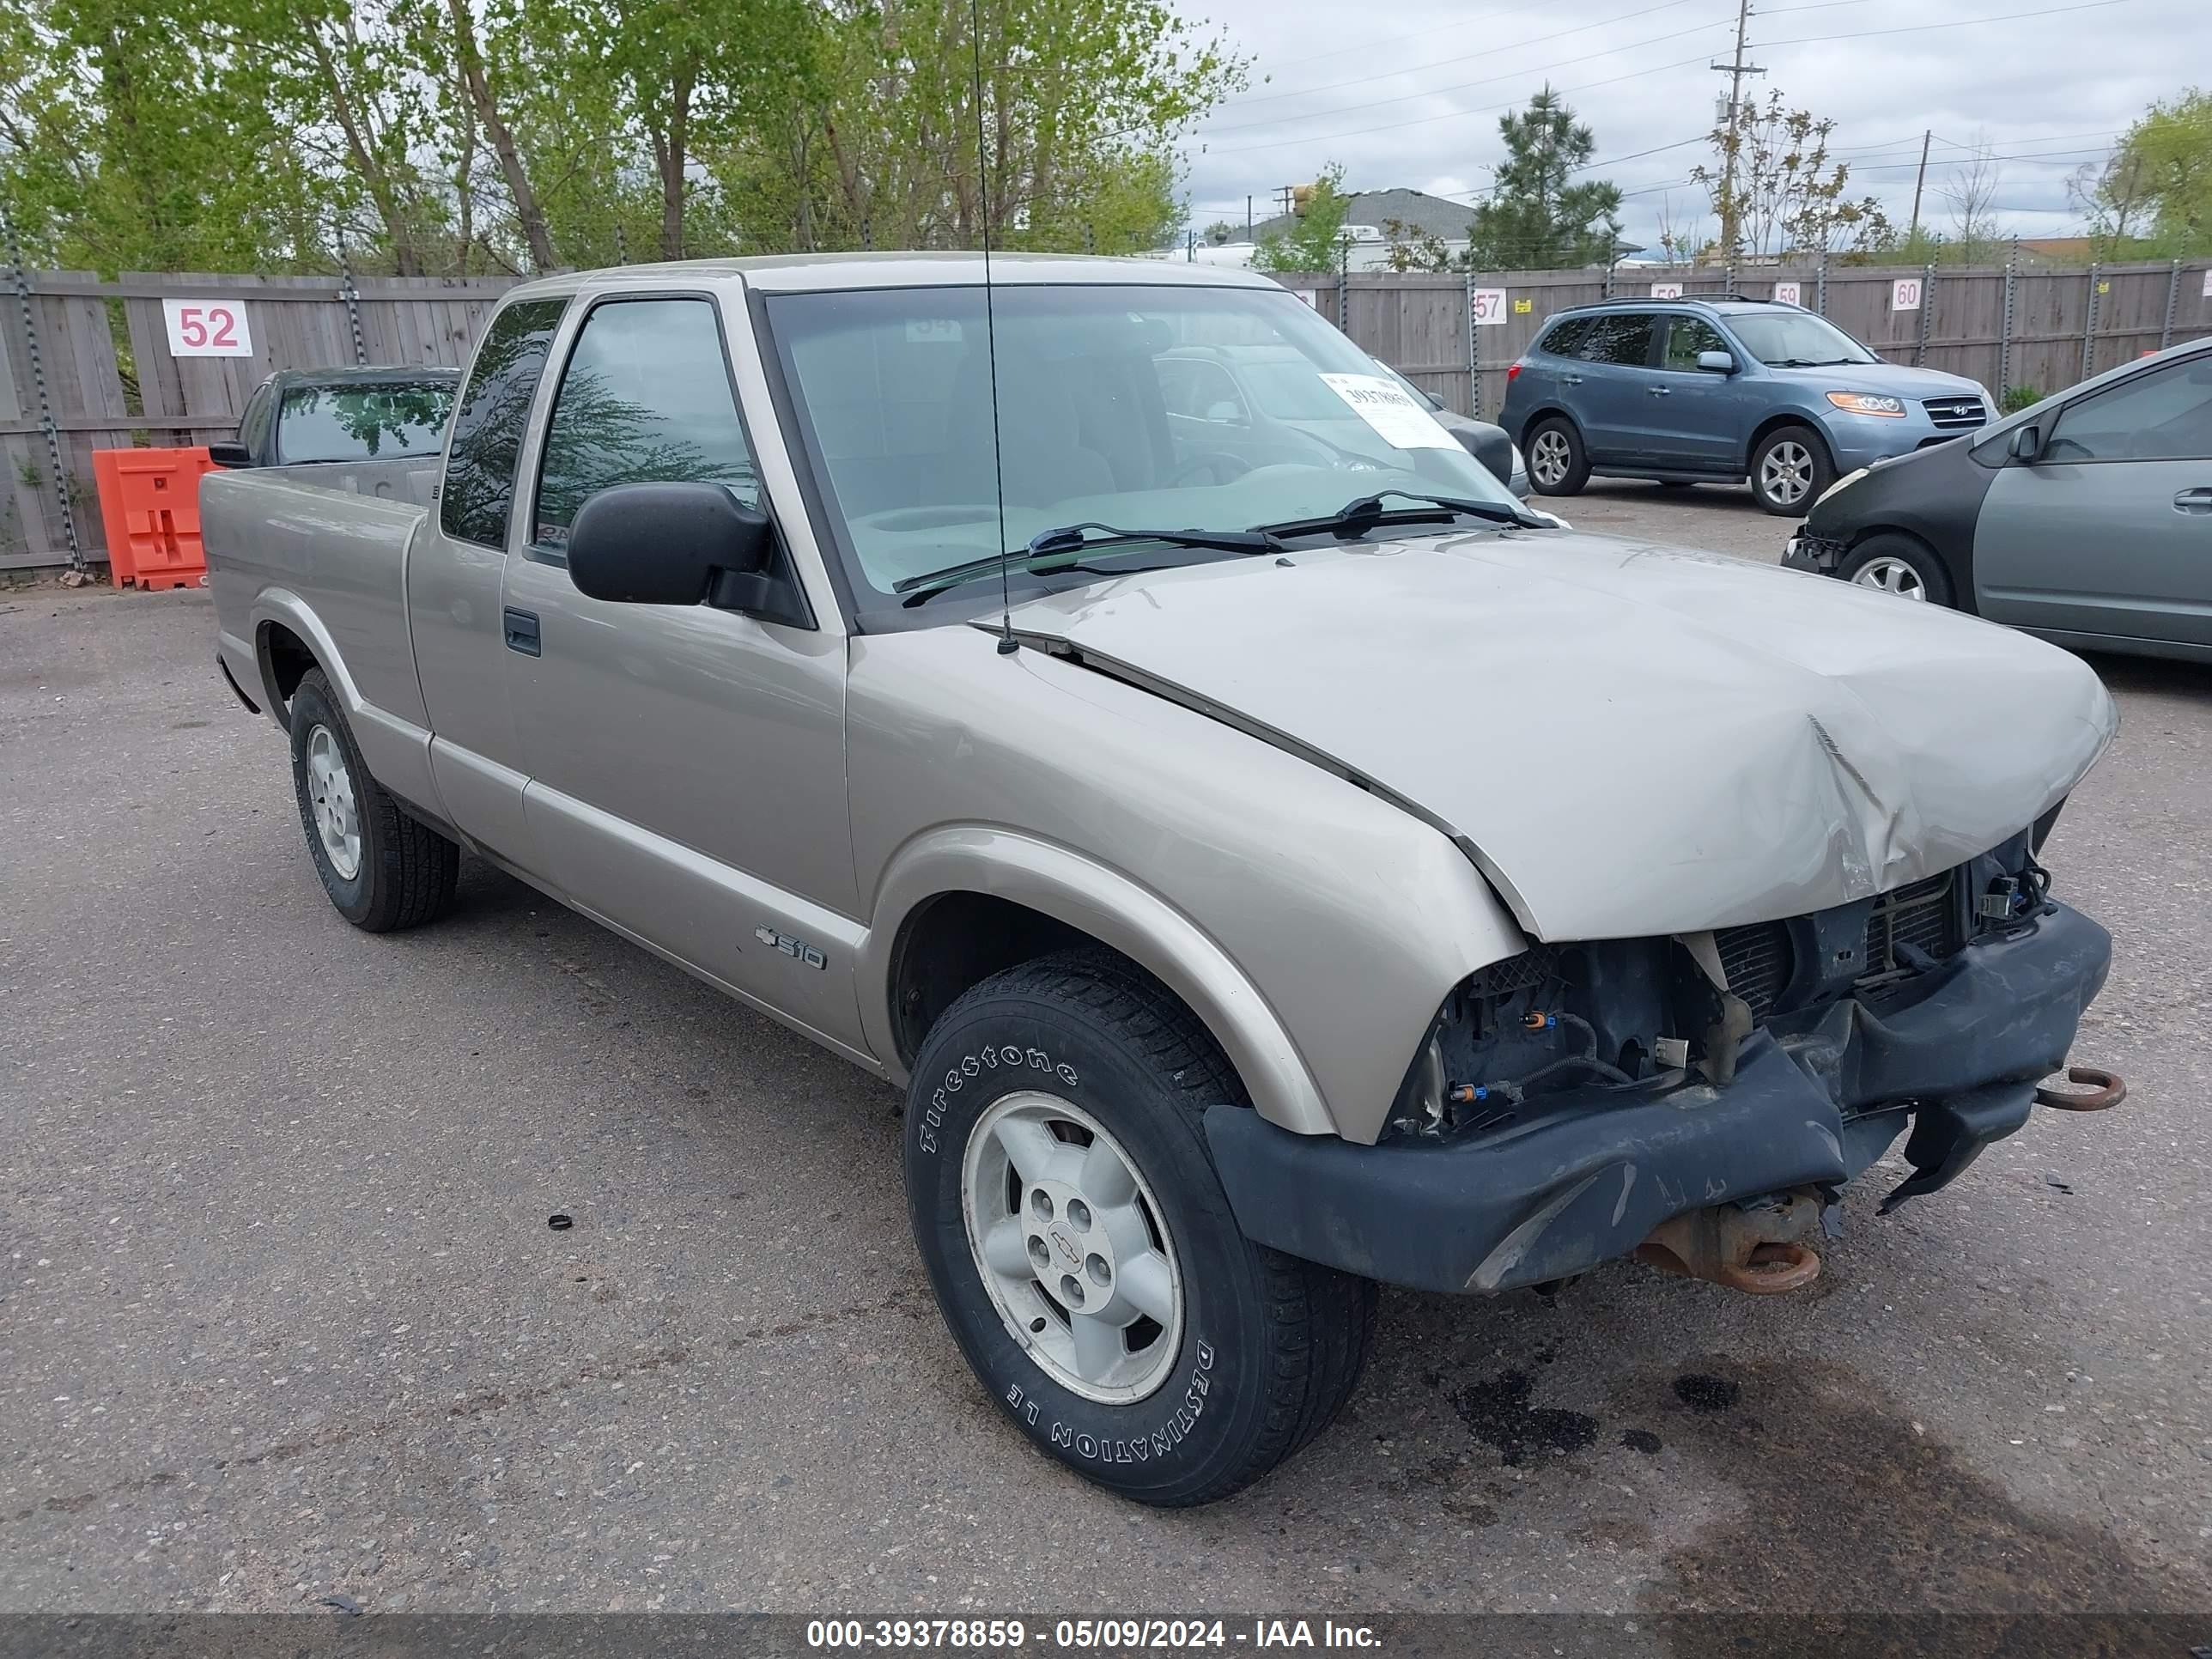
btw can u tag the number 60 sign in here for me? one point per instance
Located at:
(207, 328)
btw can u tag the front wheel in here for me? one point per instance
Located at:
(1084, 1253)
(1790, 470)
(1900, 564)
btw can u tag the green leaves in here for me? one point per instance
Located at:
(434, 136)
(1541, 215)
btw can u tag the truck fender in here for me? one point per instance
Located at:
(1111, 907)
(397, 750)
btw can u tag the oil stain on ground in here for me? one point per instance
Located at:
(1844, 1510)
(1498, 1413)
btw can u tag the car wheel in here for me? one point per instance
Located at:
(1557, 464)
(1789, 471)
(1084, 1253)
(1899, 564)
(382, 869)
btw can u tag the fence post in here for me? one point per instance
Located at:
(1474, 356)
(351, 296)
(2089, 323)
(1820, 282)
(77, 573)
(622, 244)
(2173, 300)
(1344, 284)
(2004, 325)
(1927, 309)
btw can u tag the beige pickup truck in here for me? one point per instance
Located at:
(1272, 860)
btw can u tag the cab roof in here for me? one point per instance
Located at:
(812, 272)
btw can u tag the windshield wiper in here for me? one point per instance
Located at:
(1357, 518)
(1079, 538)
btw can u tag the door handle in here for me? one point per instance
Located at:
(1660, 391)
(2198, 500)
(522, 631)
(1571, 379)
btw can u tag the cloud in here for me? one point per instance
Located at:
(1410, 94)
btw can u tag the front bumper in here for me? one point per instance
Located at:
(1815, 1099)
(1814, 553)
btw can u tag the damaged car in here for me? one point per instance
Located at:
(1267, 869)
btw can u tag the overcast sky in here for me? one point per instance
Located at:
(1408, 92)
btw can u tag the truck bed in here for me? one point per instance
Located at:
(321, 549)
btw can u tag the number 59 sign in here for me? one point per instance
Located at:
(207, 328)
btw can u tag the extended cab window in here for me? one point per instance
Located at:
(478, 491)
(646, 398)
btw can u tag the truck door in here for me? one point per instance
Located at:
(453, 573)
(1608, 389)
(687, 777)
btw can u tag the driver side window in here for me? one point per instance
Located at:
(2163, 416)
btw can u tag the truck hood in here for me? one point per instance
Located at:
(1628, 740)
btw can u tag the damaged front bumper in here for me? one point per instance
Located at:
(1815, 1099)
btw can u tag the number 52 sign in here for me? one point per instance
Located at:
(207, 328)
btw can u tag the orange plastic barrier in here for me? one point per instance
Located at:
(149, 500)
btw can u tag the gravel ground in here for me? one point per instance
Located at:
(282, 1318)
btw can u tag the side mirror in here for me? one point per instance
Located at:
(2026, 445)
(231, 454)
(1717, 362)
(665, 543)
(1224, 413)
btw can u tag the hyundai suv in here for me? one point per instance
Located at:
(1716, 390)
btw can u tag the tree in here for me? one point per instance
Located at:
(1220, 232)
(2114, 196)
(1412, 248)
(2171, 150)
(1535, 217)
(1308, 242)
(1783, 195)
(1971, 193)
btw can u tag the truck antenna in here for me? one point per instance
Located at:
(1007, 644)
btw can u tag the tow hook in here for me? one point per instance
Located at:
(1758, 1249)
(2106, 1090)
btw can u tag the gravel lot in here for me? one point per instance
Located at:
(282, 1317)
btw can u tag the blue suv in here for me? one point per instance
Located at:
(1716, 390)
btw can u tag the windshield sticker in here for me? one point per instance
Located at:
(1388, 407)
(924, 331)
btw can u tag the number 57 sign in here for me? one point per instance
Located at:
(207, 328)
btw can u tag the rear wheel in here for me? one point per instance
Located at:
(1900, 564)
(382, 869)
(1084, 1253)
(1789, 471)
(1558, 464)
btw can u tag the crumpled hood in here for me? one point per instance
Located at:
(1628, 740)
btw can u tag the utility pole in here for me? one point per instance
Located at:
(1920, 180)
(1247, 218)
(1731, 214)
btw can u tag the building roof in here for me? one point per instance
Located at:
(1433, 214)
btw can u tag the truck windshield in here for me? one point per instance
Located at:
(1205, 409)
(382, 421)
(1796, 339)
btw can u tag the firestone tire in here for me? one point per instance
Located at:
(382, 869)
(1264, 1348)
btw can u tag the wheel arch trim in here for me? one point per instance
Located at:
(1074, 889)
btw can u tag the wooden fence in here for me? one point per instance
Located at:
(85, 364)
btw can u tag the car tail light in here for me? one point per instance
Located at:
(1511, 370)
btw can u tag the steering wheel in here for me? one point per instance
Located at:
(1210, 460)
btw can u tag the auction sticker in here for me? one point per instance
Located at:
(1388, 407)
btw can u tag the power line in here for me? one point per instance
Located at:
(1590, 86)
(1442, 63)
(1468, 85)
